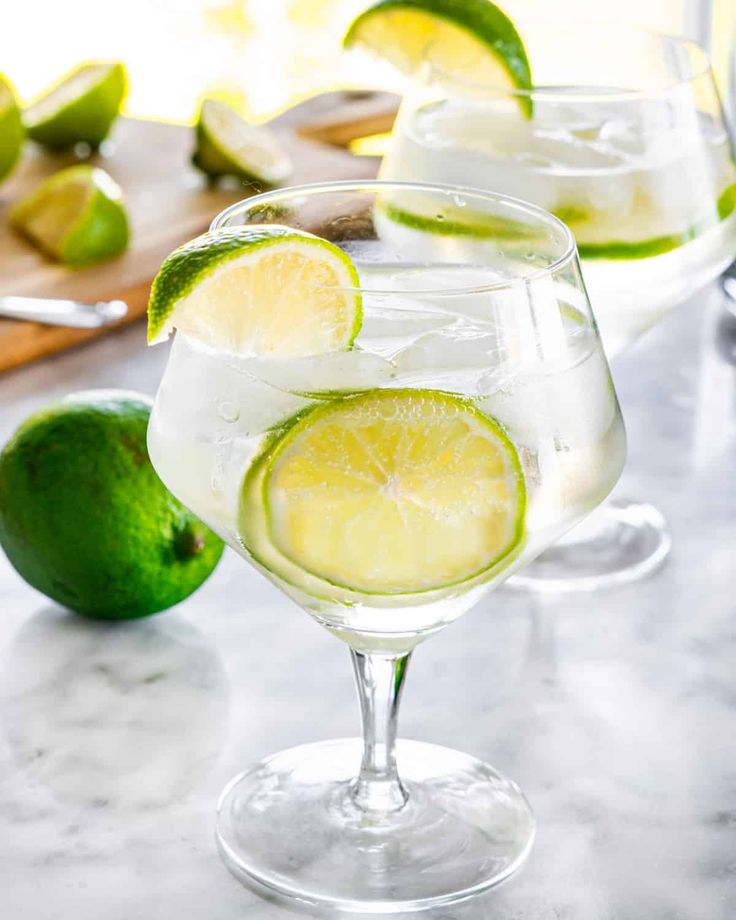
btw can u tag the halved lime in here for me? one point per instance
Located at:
(228, 146)
(76, 216)
(264, 290)
(11, 129)
(80, 108)
(471, 39)
(386, 492)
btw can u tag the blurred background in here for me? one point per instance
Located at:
(264, 55)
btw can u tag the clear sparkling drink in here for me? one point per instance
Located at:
(645, 180)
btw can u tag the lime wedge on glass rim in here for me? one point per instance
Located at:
(80, 108)
(77, 216)
(11, 129)
(258, 290)
(471, 39)
(381, 493)
(226, 145)
(385, 492)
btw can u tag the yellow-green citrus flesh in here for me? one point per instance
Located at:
(385, 492)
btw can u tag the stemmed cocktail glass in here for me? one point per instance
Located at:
(385, 488)
(626, 143)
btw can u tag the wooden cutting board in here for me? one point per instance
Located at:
(168, 202)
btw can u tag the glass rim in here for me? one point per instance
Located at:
(568, 247)
(554, 93)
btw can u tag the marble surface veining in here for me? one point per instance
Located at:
(615, 711)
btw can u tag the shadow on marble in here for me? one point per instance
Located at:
(125, 716)
(725, 338)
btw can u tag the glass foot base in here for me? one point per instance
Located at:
(289, 825)
(618, 543)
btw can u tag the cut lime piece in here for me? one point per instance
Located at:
(229, 146)
(389, 492)
(263, 290)
(451, 220)
(726, 203)
(11, 129)
(420, 225)
(76, 216)
(473, 40)
(80, 108)
(600, 236)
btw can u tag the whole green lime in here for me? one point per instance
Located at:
(85, 519)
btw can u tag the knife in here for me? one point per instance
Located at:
(54, 312)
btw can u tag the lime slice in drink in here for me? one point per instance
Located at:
(264, 290)
(80, 108)
(229, 146)
(386, 492)
(410, 210)
(76, 216)
(470, 39)
(11, 129)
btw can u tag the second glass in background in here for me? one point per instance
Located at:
(627, 144)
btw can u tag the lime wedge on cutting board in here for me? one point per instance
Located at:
(76, 216)
(226, 145)
(80, 108)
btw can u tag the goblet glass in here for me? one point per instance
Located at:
(385, 488)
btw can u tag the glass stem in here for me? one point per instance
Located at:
(380, 679)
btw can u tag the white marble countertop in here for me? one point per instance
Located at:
(614, 711)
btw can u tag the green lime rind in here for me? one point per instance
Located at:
(85, 519)
(100, 232)
(196, 260)
(256, 526)
(459, 222)
(726, 203)
(638, 249)
(484, 22)
(12, 132)
(106, 235)
(85, 119)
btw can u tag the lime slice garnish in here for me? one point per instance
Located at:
(228, 146)
(599, 236)
(450, 220)
(386, 492)
(263, 290)
(11, 129)
(76, 216)
(80, 108)
(473, 40)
